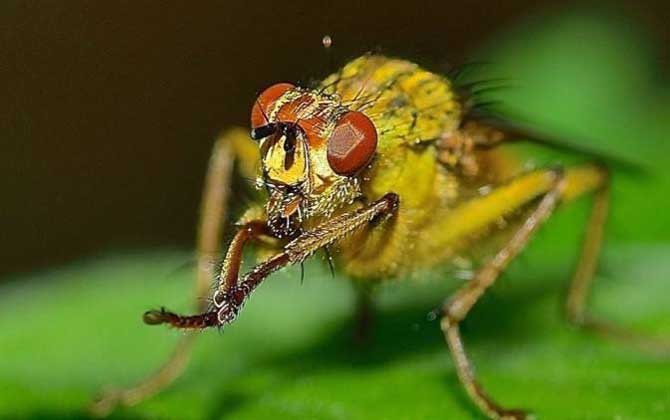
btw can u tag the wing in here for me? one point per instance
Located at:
(513, 129)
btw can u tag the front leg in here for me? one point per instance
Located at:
(230, 296)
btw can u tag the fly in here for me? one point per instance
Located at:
(394, 169)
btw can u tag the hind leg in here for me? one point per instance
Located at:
(582, 280)
(230, 146)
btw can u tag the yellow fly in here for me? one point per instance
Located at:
(387, 165)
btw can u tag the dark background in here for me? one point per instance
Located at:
(110, 108)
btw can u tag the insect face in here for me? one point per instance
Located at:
(312, 150)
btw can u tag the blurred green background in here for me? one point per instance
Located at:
(112, 108)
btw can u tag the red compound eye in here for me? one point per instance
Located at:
(262, 105)
(352, 143)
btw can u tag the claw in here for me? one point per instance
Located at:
(155, 317)
(104, 404)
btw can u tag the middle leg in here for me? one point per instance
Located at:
(550, 186)
(364, 315)
(458, 306)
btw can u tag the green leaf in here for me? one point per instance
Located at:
(70, 331)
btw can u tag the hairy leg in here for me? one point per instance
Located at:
(228, 301)
(228, 147)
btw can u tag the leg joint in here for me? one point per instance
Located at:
(452, 314)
